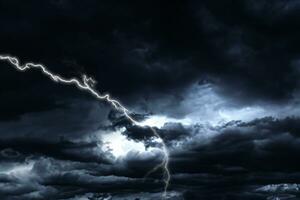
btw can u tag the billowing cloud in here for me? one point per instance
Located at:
(219, 85)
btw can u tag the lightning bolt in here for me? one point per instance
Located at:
(87, 84)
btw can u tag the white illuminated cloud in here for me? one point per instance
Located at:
(203, 104)
(159, 121)
(18, 170)
(119, 145)
(245, 113)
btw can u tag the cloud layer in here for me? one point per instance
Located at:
(219, 85)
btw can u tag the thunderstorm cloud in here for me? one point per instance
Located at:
(217, 80)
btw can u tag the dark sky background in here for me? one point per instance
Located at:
(218, 80)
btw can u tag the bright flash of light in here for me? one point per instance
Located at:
(159, 121)
(87, 84)
(119, 145)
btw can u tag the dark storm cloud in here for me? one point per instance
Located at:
(116, 38)
(233, 160)
(65, 150)
(247, 49)
(47, 178)
(256, 56)
(156, 46)
(137, 165)
(170, 132)
(118, 120)
(265, 144)
(78, 119)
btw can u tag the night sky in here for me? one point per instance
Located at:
(217, 80)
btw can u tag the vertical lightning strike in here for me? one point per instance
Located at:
(87, 84)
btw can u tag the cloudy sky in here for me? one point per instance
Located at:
(217, 80)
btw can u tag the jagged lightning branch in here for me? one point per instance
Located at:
(87, 84)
